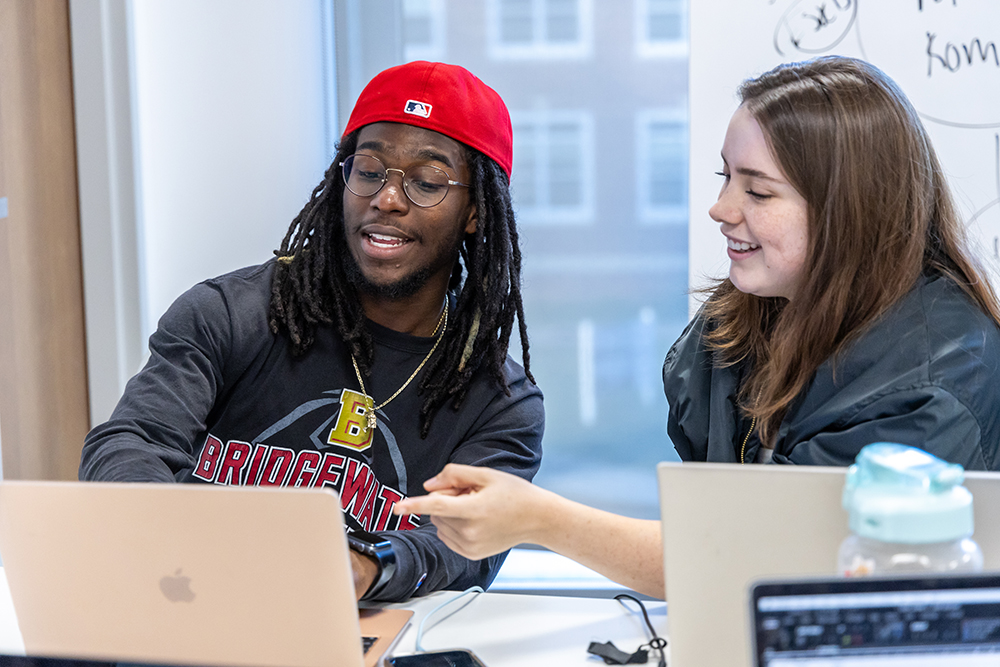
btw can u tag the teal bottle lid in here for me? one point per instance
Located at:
(901, 494)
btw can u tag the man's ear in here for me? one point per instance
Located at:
(472, 221)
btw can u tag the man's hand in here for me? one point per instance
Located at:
(365, 569)
(479, 512)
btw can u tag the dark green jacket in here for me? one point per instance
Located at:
(924, 374)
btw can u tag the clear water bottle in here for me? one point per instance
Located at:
(909, 513)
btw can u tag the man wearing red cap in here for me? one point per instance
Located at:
(360, 358)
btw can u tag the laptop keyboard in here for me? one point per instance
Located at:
(368, 642)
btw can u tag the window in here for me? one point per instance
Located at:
(540, 29)
(423, 30)
(551, 177)
(661, 28)
(662, 157)
(599, 184)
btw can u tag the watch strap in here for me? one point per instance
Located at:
(380, 549)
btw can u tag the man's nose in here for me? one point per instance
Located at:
(392, 195)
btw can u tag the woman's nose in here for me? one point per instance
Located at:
(723, 210)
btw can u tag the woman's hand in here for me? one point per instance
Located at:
(480, 512)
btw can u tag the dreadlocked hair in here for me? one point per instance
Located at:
(311, 287)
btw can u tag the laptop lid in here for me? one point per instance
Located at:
(182, 574)
(945, 620)
(726, 525)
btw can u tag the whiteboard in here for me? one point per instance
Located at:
(942, 53)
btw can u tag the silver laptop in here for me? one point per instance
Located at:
(727, 525)
(949, 620)
(185, 574)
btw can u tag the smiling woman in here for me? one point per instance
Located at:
(764, 218)
(854, 313)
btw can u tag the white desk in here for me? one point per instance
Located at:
(528, 630)
(10, 634)
(505, 630)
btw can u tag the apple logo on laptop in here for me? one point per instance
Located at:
(177, 587)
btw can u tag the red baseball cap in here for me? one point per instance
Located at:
(444, 98)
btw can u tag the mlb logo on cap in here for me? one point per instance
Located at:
(418, 108)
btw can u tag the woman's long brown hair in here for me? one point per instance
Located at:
(880, 216)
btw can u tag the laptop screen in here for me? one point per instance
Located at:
(877, 622)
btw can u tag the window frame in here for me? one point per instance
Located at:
(438, 46)
(648, 213)
(539, 48)
(646, 48)
(545, 214)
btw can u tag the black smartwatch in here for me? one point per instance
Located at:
(381, 550)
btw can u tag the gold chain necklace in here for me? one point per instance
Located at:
(370, 406)
(753, 423)
(743, 449)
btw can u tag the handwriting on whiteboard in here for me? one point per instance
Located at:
(945, 55)
(811, 28)
(952, 57)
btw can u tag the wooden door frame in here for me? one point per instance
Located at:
(43, 372)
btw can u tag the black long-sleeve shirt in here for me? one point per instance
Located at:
(222, 400)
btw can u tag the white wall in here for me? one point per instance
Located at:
(202, 128)
(102, 92)
(230, 106)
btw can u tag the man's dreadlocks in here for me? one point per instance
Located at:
(311, 287)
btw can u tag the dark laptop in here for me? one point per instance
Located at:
(951, 620)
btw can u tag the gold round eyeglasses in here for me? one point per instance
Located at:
(424, 185)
